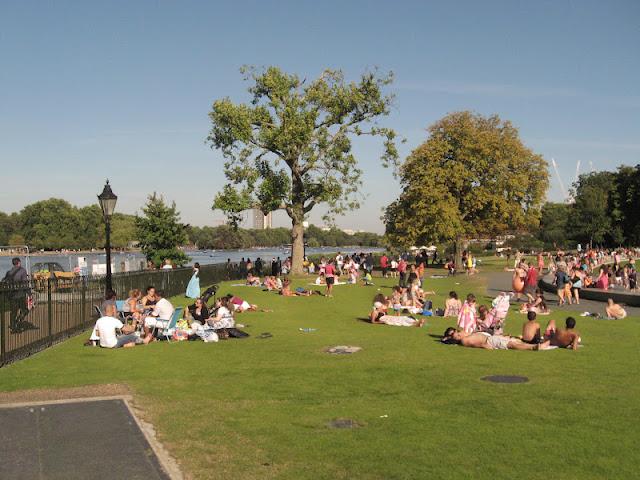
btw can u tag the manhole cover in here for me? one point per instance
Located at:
(344, 423)
(342, 349)
(505, 379)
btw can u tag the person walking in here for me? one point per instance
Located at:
(18, 295)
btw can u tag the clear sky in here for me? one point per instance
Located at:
(121, 89)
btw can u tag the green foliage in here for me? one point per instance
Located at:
(553, 231)
(55, 224)
(291, 146)
(626, 202)
(473, 176)
(590, 221)
(160, 232)
(225, 236)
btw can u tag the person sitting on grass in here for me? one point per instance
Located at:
(223, 318)
(539, 306)
(199, 311)
(453, 305)
(108, 326)
(615, 311)
(367, 281)
(568, 337)
(379, 315)
(486, 341)
(252, 280)
(320, 280)
(531, 329)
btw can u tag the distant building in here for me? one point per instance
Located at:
(260, 221)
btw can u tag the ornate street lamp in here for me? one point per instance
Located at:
(107, 200)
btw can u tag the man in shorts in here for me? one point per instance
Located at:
(486, 341)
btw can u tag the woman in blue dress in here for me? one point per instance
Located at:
(193, 288)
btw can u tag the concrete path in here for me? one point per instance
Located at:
(501, 282)
(79, 440)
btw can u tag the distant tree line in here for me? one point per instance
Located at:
(225, 236)
(605, 210)
(55, 224)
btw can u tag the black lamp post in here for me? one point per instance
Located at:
(107, 201)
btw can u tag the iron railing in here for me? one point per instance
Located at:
(41, 312)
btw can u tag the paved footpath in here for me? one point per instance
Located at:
(501, 282)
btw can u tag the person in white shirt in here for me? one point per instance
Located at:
(167, 264)
(161, 315)
(107, 327)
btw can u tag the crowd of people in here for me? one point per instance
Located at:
(477, 325)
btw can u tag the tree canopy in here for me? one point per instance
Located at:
(472, 176)
(160, 232)
(290, 146)
(55, 224)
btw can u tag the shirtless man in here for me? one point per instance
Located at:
(563, 337)
(615, 311)
(488, 342)
(531, 329)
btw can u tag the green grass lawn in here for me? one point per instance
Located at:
(258, 408)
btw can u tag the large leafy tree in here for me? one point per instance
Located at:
(626, 199)
(473, 176)
(160, 233)
(50, 224)
(553, 225)
(290, 147)
(591, 220)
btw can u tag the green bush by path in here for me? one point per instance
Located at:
(257, 408)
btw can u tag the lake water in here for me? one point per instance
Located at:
(135, 261)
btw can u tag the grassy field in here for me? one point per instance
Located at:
(259, 408)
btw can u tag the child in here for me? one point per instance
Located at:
(467, 317)
(367, 280)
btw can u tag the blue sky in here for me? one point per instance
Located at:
(91, 90)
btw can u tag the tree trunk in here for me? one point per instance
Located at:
(297, 247)
(461, 244)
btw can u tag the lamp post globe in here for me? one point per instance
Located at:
(107, 200)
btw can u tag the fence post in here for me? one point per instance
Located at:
(49, 311)
(3, 332)
(83, 299)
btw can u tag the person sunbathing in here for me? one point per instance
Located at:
(252, 280)
(567, 337)
(299, 292)
(486, 341)
(531, 329)
(269, 283)
(379, 315)
(615, 311)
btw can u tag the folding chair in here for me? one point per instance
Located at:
(167, 331)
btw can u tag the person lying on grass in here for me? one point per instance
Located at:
(614, 311)
(287, 292)
(486, 341)
(379, 314)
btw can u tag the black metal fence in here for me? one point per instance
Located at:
(41, 312)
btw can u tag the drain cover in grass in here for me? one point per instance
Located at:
(344, 423)
(505, 379)
(342, 349)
